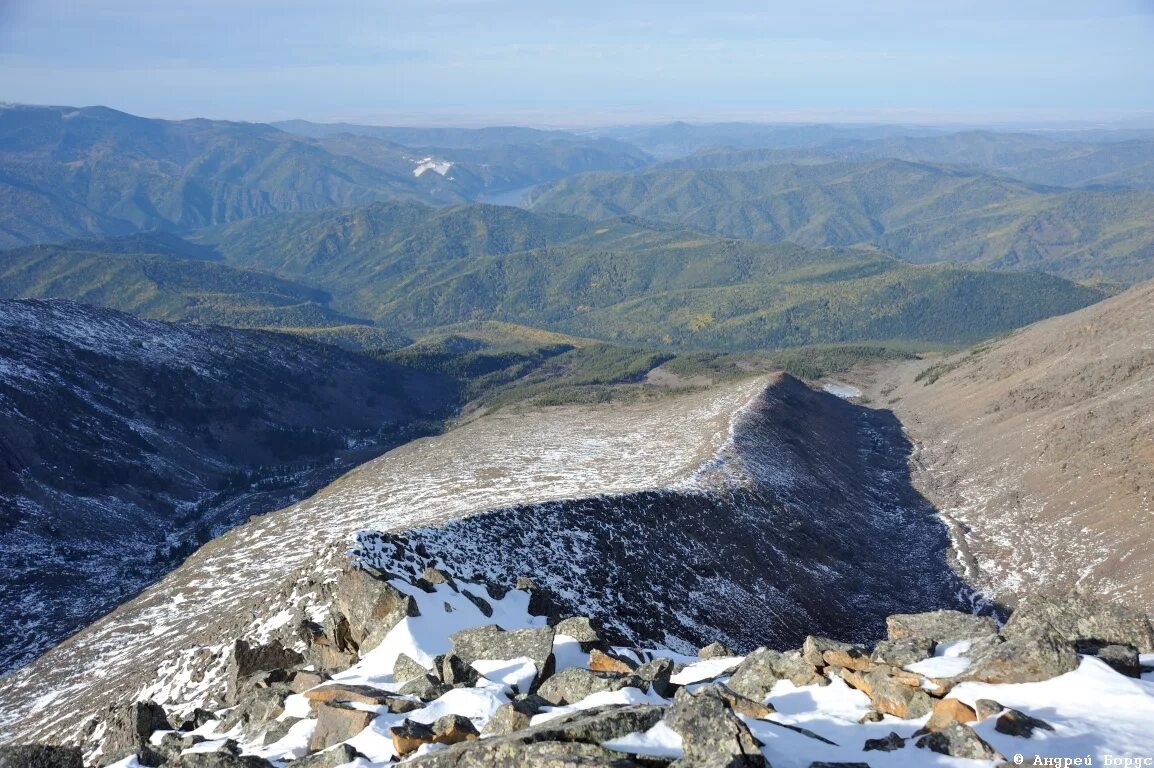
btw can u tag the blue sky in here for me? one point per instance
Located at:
(546, 62)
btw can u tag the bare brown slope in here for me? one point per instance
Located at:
(1041, 448)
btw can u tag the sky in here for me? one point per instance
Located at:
(595, 62)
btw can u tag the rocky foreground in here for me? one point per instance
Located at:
(439, 671)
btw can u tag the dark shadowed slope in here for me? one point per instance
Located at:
(128, 443)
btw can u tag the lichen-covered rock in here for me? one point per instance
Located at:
(40, 756)
(759, 672)
(711, 734)
(888, 744)
(958, 740)
(891, 696)
(492, 642)
(814, 648)
(341, 754)
(1025, 657)
(657, 674)
(715, 650)
(899, 653)
(586, 631)
(848, 657)
(738, 703)
(1080, 617)
(370, 607)
(575, 683)
(218, 760)
(347, 693)
(425, 688)
(405, 668)
(940, 626)
(248, 660)
(453, 729)
(984, 708)
(1123, 659)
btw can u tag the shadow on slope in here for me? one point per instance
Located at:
(805, 523)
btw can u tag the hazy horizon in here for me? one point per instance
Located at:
(494, 62)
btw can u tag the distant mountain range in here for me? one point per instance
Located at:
(915, 211)
(68, 171)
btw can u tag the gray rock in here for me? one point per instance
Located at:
(570, 741)
(219, 760)
(715, 650)
(277, 730)
(657, 673)
(1013, 722)
(541, 603)
(405, 669)
(40, 756)
(711, 733)
(893, 697)
(425, 688)
(1123, 659)
(760, 671)
(575, 683)
(302, 680)
(451, 669)
(899, 653)
(248, 660)
(341, 754)
(940, 626)
(482, 604)
(129, 728)
(958, 740)
(984, 708)
(888, 744)
(337, 723)
(507, 719)
(258, 708)
(370, 607)
(1024, 658)
(453, 729)
(492, 642)
(582, 629)
(814, 648)
(1081, 617)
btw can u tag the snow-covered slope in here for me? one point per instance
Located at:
(742, 511)
(126, 443)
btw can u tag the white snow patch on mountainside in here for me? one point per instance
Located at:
(431, 164)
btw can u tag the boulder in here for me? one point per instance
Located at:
(711, 734)
(336, 723)
(410, 736)
(129, 728)
(341, 754)
(1024, 658)
(277, 730)
(899, 653)
(1013, 722)
(736, 702)
(759, 672)
(40, 756)
(958, 740)
(405, 668)
(564, 742)
(715, 650)
(541, 603)
(586, 631)
(948, 711)
(198, 718)
(657, 674)
(1123, 659)
(849, 657)
(492, 642)
(515, 715)
(345, 693)
(258, 708)
(891, 696)
(425, 688)
(369, 607)
(575, 683)
(984, 708)
(814, 648)
(600, 661)
(302, 680)
(451, 669)
(248, 660)
(453, 729)
(483, 605)
(1080, 617)
(940, 626)
(218, 760)
(888, 744)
